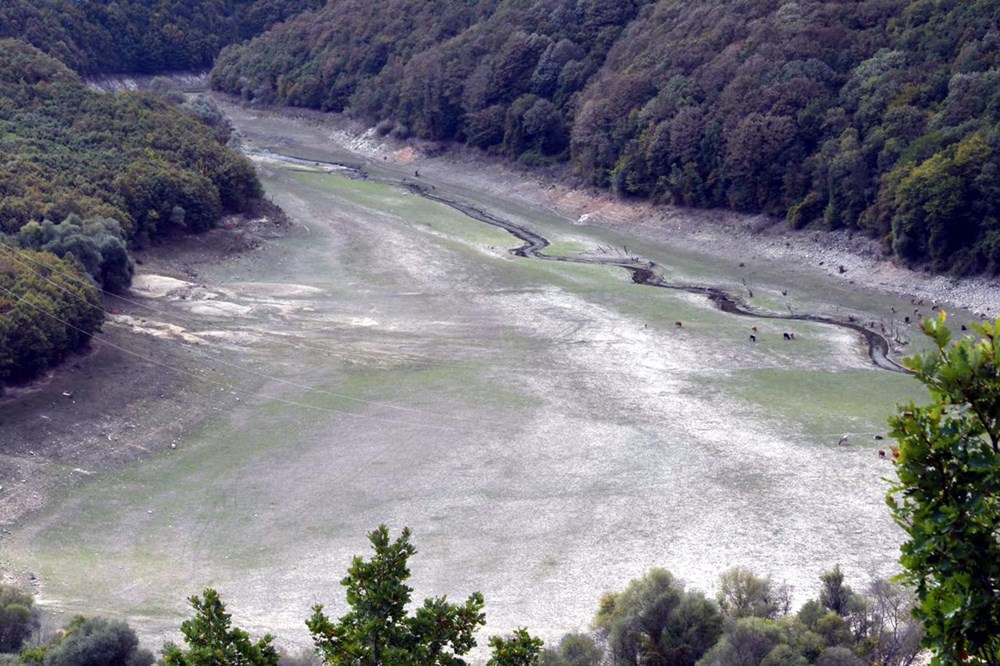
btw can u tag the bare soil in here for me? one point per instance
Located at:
(115, 402)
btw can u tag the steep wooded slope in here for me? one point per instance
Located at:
(140, 36)
(875, 115)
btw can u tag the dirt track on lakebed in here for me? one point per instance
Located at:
(544, 427)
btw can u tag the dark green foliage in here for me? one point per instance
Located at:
(947, 498)
(49, 308)
(654, 620)
(129, 157)
(18, 618)
(96, 245)
(379, 630)
(880, 116)
(98, 642)
(212, 639)
(140, 36)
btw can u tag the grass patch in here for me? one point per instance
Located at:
(825, 404)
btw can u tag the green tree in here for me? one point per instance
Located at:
(378, 630)
(213, 641)
(18, 618)
(98, 642)
(947, 497)
(573, 650)
(519, 649)
(654, 620)
(742, 594)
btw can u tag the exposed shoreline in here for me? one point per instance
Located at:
(729, 235)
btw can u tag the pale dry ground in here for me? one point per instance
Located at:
(545, 430)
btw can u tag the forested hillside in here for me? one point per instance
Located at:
(87, 173)
(140, 36)
(879, 115)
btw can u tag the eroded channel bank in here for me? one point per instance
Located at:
(643, 273)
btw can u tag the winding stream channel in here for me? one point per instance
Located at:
(643, 272)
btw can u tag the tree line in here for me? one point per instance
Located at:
(140, 36)
(880, 117)
(655, 620)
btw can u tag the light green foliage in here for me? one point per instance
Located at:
(213, 641)
(378, 630)
(655, 620)
(746, 642)
(573, 650)
(18, 618)
(947, 497)
(97, 642)
(742, 594)
(519, 649)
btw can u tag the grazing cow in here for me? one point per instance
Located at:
(881, 453)
(753, 338)
(753, 328)
(843, 439)
(964, 327)
(906, 319)
(879, 437)
(895, 453)
(787, 336)
(678, 324)
(784, 292)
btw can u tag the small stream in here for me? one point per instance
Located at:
(643, 272)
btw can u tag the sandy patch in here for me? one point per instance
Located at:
(219, 309)
(276, 290)
(157, 286)
(156, 329)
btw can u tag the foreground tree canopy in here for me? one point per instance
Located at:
(379, 630)
(878, 116)
(948, 495)
(654, 621)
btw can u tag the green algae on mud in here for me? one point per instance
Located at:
(532, 421)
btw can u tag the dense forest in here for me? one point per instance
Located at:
(879, 116)
(87, 174)
(140, 36)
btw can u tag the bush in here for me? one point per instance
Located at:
(18, 618)
(98, 642)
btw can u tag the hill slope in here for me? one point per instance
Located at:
(880, 116)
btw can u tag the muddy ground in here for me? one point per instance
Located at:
(547, 431)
